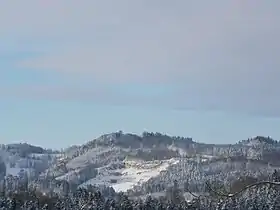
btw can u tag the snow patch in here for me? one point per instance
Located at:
(132, 175)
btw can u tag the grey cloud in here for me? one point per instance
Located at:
(222, 54)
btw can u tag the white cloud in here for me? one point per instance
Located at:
(223, 54)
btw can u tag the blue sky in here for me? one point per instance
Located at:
(70, 71)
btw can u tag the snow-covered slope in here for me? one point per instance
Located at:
(123, 161)
(119, 160)
(134, 173)
(17, 160)
(127, 161)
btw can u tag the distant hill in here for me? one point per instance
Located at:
(133, 163)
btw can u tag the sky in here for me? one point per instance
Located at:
(71, 71)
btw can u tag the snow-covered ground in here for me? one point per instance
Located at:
(88, 157)
(17, 171)
(37, 155)
(12, 171)
(131, 175)
(188, 196)
(71, 175)
(16, 164)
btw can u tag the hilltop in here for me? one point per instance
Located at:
(138, 165)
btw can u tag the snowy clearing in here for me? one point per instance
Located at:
(132, 175)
